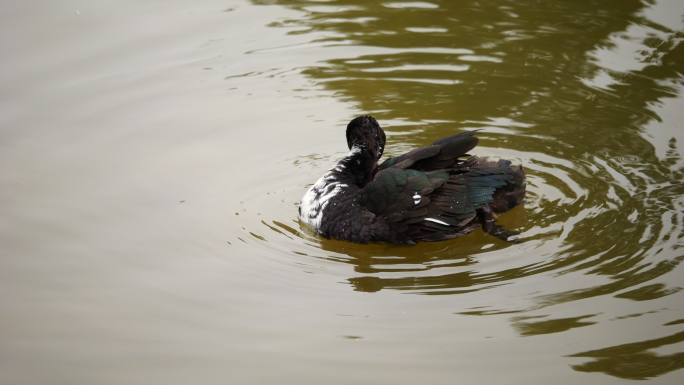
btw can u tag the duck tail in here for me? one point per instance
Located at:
(512, 193)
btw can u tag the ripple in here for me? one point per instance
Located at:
(410, 4)
(420, 67)
(331, 8)
(480, 58)
(427, 29)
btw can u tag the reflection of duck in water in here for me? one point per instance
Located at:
(428, 194)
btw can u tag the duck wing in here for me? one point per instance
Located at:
(442, 154)
(400, 195)
(430, 205)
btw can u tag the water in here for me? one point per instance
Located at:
(152, 156)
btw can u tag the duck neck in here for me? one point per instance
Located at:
(358, 166)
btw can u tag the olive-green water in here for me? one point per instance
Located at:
(152, 155)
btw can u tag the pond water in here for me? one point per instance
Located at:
(152, 156)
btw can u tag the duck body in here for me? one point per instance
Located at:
(431, 193)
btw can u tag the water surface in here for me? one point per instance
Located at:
(152, 156)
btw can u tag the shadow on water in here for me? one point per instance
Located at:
(606, 197)
(634, 360)
(533, 328)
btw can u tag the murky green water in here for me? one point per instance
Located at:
(152, 156)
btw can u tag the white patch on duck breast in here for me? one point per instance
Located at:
(316, 199)
(416, 198)
(318, 196)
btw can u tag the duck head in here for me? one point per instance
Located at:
(364, 132)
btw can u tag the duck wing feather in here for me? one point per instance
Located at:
(442, 154)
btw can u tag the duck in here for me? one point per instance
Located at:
(432, 193)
